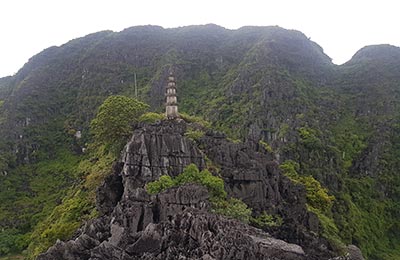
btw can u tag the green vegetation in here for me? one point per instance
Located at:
(340, 123)
(63, 221)
(194, 119)
(112, 123)
(266, 146)
(12, 257)
(194, 134)
(47, 181)
(12, 241)
(364, 224)
(317, 196)
(265, 220)
(308, 137)
(59, 189)
(284, 129)
(110, 126)
(78, 203)
(190, 174)
(151, 117)
(318, 202)
(350, 138)
(235, 141)
(231, 207)
(163, 183)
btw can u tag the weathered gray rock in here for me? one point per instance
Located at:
(353, 253)
(177, 223)
(256, 179)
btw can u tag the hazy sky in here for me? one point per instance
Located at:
(340, 27)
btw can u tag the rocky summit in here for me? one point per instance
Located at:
(177, 223)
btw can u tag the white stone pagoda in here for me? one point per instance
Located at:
(171, 106)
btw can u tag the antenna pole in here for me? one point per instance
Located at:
(135, 85)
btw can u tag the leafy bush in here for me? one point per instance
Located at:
(329, 229)
(265, 220)
(194, 119)
(12, 241)
(317, 196)
(234, 140)
(113, 121)
(283, 130)
(190, 174)
(160, 185)
(290, 169)
(232, 207)
(194, 134)
(318, 202)
(309, 138)
(96, 167)
(266, 146)
(151, 117)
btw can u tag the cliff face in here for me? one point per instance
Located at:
(177, 223)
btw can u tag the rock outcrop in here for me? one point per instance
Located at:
(177, 223)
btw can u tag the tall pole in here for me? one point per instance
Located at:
(135, 85)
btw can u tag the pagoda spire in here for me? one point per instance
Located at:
(171, 106)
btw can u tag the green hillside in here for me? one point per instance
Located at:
(340, 124)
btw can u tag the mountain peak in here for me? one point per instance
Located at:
(380, 52)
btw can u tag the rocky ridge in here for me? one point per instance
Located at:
(177, 223)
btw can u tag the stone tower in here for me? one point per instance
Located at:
(171, 108)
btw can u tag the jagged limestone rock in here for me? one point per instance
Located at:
(177, 223)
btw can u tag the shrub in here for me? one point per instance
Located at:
(113, 120)
(233, 208)
(12, 241)
(96, 168)
(265, 220)
(318, 202)
(190, 174)
(151, 117)
(160, 185)
(284, 129)
(317, 196)
(309, 138)
(290, 168)
(194, 119)
(194, 134)
(266, 146)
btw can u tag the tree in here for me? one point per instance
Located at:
(113, 121)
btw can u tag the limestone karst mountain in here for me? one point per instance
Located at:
(177, 223)
(272, 89)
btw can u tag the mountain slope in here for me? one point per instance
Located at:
(339, 123)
